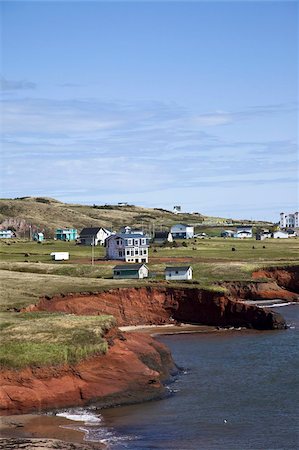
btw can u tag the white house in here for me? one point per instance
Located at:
(178, 273)
(280, 235)
(128, 229)
(182, 231)
(138, 271)
(161, 237)
(227, 234)
(129, 247)
(6, 234)
(289, 220)
(177, 209)
(243, 232)
(60, 256)
(94, 236)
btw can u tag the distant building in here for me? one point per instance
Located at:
(161, 237)
(292, 233)
(178, 273)
(60, 256)
(7, 234)
(177, 209)
(263, 234)
(280, 235)
(182, 231)
(129, 247)
(66, 234)
(227, 233)
(289, 220)
(94, 236)
(128, 229)
(243, 232)
(122, 204)
(38, 237)
(138, 271)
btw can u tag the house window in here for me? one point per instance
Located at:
(176, 272)
(145, 251)
(136, 251)
(128, 252)
(144, 241)
(136, 242)
(117, 273)
(132, 252)
(120, 253)
(129, 241)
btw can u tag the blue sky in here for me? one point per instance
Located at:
(153, 103)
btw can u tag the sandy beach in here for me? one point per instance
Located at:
(45, 431)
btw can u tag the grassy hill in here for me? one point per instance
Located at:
(47, 214)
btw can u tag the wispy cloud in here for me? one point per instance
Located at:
(15, 85)
(140, 151)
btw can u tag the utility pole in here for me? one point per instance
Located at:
(92, 251)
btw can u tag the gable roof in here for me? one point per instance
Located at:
(128, 235)
(88, 232)
(129, 267)
(178, 268)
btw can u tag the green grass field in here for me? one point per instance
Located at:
(27, 272)
(40, 339)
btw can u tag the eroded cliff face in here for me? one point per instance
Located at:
(162, 305)
(131, 371)
(285, 277)
(136, 364)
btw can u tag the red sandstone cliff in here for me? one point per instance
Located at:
(285, 277)
(135, 364)
(160, 305)
(131, 371)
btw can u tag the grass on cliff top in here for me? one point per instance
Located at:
(213, 261)
(44, 339)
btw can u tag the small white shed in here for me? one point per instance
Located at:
(178, 273)
(280, 235)
(130, 271)
(60, 256)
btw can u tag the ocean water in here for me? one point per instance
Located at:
(236, 390)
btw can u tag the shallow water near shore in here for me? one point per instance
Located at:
(237, 390)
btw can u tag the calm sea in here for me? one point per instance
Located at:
(237, 390)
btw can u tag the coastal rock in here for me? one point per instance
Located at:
(41, 444)
(131, 371)
(259, 290)
(286, 277)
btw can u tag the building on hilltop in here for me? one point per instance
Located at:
(129, 247)
(182, 231)
(289, 220)
(94, 236)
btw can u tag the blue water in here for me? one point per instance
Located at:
(238, 390)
